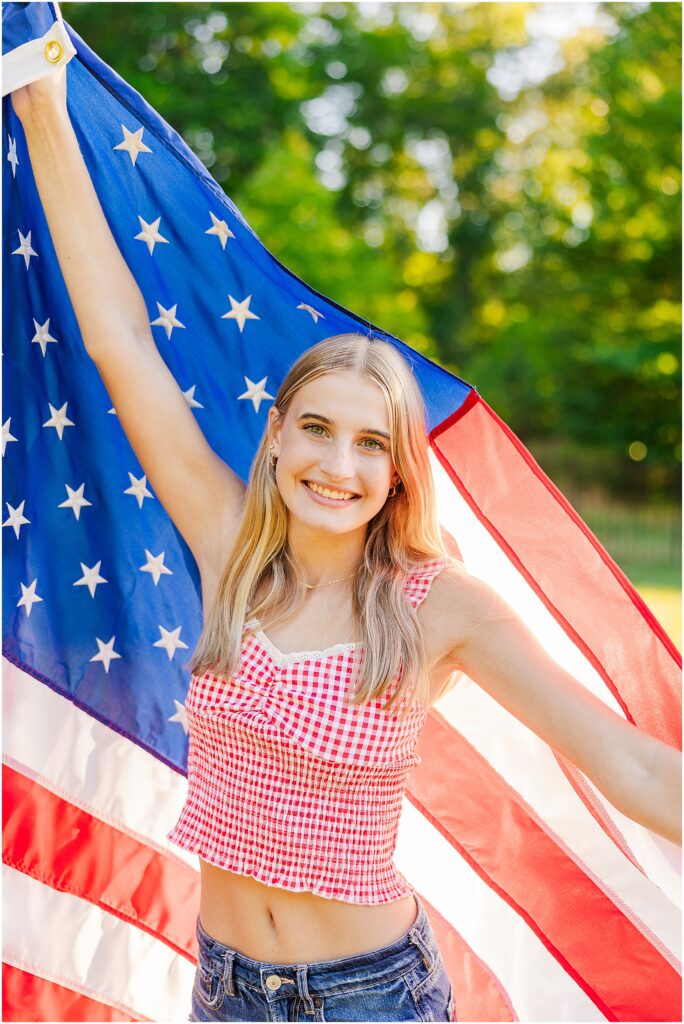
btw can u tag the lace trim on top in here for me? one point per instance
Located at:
(288, 657)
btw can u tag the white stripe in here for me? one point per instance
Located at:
(71, 942)
(76, 757)
(648, 847)
(484, 558)
(27, 63)
(537, 986)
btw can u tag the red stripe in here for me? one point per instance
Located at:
(613, 566)
(26, 997)
(583, 588)
(72, 851)
(606, 954)
(478, 993)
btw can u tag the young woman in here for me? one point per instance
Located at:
(333, 619)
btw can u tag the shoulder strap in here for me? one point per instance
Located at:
(418, 582)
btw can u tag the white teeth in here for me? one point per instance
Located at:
(337, 495)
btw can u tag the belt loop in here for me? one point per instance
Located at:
(303, 988)
(425, 951)
(228, 974)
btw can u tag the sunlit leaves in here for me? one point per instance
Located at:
(510, 206)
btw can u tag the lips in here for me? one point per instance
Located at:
(323, 498)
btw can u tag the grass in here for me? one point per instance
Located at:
(666, 605)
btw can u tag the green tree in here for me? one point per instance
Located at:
(532, 245)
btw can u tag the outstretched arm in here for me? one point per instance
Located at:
(638, 774)
(200, 492)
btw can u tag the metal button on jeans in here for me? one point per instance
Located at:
(273, 982)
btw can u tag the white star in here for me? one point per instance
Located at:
(314, 312)
(6, 436)
(240, 311)
(58, 420)
(257, 392)
(139, 488)
(150, 233)
(155, 565)
(166, 319)
(221, 229)
(42, 335)
(189, 397)
(106, 652)
(75, 501)
(180, 716)
(28, 597)
(16, 519)
(12, 155)
(25, 249)
(133, 143)
(91, 578)
(170, 641)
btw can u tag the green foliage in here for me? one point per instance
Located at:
(531, 244)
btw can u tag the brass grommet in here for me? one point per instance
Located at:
(53, 51)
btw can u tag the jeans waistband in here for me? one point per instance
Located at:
(278, 979)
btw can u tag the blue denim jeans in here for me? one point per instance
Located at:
(403, 981)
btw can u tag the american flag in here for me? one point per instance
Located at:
(548, 904)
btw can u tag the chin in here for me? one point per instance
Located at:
(327, 522)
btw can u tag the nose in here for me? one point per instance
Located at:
(338, 462)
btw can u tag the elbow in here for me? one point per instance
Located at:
(641, 777)
(656, 797)
(664, 784)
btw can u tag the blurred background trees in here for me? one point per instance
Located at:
(498, 184)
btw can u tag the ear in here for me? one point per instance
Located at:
(275, 423)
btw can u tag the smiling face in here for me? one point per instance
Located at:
(334, 464)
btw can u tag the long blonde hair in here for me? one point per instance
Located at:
(402, 534)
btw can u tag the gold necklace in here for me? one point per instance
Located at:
(315, 586)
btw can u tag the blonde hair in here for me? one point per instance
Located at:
(402, 534)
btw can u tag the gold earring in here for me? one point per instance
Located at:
(274, 458)
(393, 490)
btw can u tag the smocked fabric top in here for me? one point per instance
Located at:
(288, 785)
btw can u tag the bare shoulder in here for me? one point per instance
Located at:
(458, 603)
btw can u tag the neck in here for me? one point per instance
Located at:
(326, 556)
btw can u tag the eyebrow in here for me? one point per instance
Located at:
(324, 419)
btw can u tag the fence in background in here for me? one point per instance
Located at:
(642, 539)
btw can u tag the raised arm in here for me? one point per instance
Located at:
(637, 773)
(201, 494)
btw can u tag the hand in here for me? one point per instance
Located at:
(48, 93)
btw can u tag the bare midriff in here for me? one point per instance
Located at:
(277, 926)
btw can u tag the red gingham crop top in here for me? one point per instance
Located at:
(288, 785)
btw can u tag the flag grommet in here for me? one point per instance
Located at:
(53, 51)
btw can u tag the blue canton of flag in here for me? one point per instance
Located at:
(106, 578)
